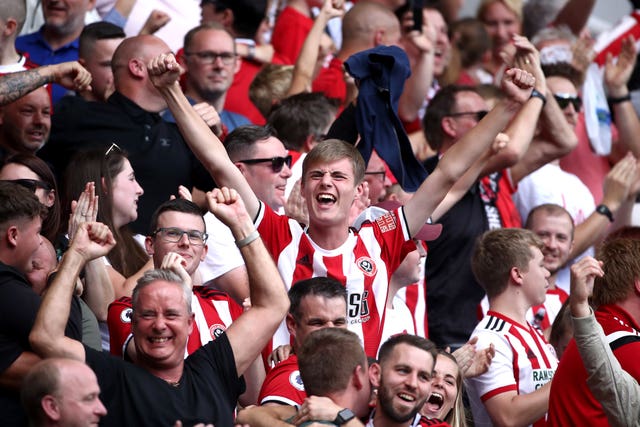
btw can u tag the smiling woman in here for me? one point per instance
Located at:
(118, 193)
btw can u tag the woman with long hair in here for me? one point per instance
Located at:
(118, 193)
(33, 173)
(445, 401)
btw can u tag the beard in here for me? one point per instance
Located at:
(386, 405)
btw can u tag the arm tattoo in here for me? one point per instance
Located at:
(16, 85)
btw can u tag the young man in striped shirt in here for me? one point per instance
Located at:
(509, 264)
(332, 177)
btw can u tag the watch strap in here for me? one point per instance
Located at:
(344, 416)
(537, 94)
(604, 210)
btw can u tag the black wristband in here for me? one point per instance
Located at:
(620, 99)
(536, 94)
(604, 210)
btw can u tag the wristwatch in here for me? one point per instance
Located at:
(604, 210)
(344, 416)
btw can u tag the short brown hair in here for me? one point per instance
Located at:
(442, 105)
(327, 359)
(332, 150)
(621, 265)
(550, 209)
(17, 203)
(409, 339)
(497, 252)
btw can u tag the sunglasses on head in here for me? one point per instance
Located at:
(277, 163)
(564, 99)
(479, 115)
(31, 184)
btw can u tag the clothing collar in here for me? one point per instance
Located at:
(39, 38)
(132, 109)
(619, 313)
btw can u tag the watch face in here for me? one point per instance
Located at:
(344, 416)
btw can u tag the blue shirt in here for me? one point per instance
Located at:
(41, 53)
(229, 119)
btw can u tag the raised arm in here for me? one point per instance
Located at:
(456, 161)
(420, 48)
(269, 302)
(305, 65)
(47, 338)
(616, 77)
(164, 72)
(556, 139)
(98, 291)
(575, 15)
(612, 386)
(71, 75)
(617, 185)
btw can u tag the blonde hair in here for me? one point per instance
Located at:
(270, 86)
(514, 6)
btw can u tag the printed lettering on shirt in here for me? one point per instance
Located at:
(359, 307)
(542, 376)
(386, 222)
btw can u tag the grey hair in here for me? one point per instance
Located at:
(155, 275)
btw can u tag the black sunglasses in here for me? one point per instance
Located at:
(564, 99)
(277, 163)
(479, 115)
(31, 184)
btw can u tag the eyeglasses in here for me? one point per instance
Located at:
(174, 235)
(31, 184)
(114, 148)
(381, 174)
(209, 57)
(479, 115)
(564, 99)
(277, 163)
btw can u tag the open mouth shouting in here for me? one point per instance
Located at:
(435, 402)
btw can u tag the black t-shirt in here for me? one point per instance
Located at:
(19, 305)
(453, 294)
(207, 392)
(158, 154)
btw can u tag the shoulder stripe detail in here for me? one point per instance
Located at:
(495, 324)
(622, 341)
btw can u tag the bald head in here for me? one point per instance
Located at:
(62, 392)
(130, 75)
(43, 262)
(142, 48)
(368, 24)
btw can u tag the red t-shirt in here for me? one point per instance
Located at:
(289, 34)
(283, 384)
(571, 401)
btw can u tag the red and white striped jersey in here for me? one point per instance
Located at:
(363, 263)
(213, 311)
(523, 362)
(554, 298)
